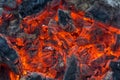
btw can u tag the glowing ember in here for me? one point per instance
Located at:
(86, 43)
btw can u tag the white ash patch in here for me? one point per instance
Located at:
(113, 3)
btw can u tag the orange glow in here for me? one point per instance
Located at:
(48, 52)
(1, 21)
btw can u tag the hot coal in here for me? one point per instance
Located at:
(9, 56)
(34, 76)
(98, 14)
(71, 72)
(115, 66)
(64, 17)
(65, 20)
(117, 44)
(9, 4)
(30, 7)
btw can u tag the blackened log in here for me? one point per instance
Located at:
(72, 70)
(30, 7)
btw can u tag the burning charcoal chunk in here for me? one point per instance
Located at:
(99, 61)
(82, 41)
(98, 14)
(65, 20)
(34, 76)
(117, 44)
(64, 17)
(9, 56)
(72, 70)
(30, 7)
(86, 70)
(115, 66)
(10, 3)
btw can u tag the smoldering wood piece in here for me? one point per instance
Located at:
(115, 66)
(116, 46)
(81, 41)
(85, 71)
(98, 14)
(34, 76)
(9, 56)
(65, 20)
(29, 7)
(99, 62)
(72, 70)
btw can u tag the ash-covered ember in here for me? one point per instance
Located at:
(57, 42)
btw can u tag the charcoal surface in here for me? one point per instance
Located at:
(72, 70)
(30, 7)
(99, 14)
(9, 3)
(63, 17)
(115, 66)
(34, 76)
(6, 51)
(65, 20)
(116, 75)
(9, 56)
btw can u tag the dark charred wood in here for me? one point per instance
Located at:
(30, 7)
(115, 66)
(117, 44)
(98, 14)
(65, 20)
(72, 70)
(34, 76)
(9, 56)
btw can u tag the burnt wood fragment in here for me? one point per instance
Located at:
(115, 66)
(9, 56)
(65, 20)
(99, 13)
(72, 70)
(64, 17)
(29, 7)
(35, 76)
